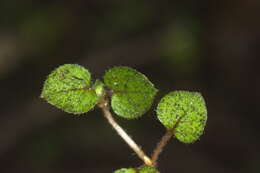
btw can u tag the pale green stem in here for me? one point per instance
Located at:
(107, 114)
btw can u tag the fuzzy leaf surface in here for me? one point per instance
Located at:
(184, 113)
(148, 169)
(68, 88)
(133, 93)
(125, 170)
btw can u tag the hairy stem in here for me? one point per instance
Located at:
(107, 114)
(160, 145)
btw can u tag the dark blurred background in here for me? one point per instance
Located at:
(206, 46)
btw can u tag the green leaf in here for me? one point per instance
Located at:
(68, 88)
(148, 169)
(184, 113)
(144, 169)
(133, 93)
(125, 170)
(99, 88)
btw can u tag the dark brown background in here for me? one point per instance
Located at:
(206, 46)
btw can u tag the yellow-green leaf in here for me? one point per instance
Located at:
(184, 113)
(125, 170)
(68, 88)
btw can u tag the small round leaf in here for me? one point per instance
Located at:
(133, 93)
(125, 170)
(148, 169)
(68, 88)
(184, 113)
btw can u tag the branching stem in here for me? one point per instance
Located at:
(160, 145)
(107, 114)
(163, 142)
